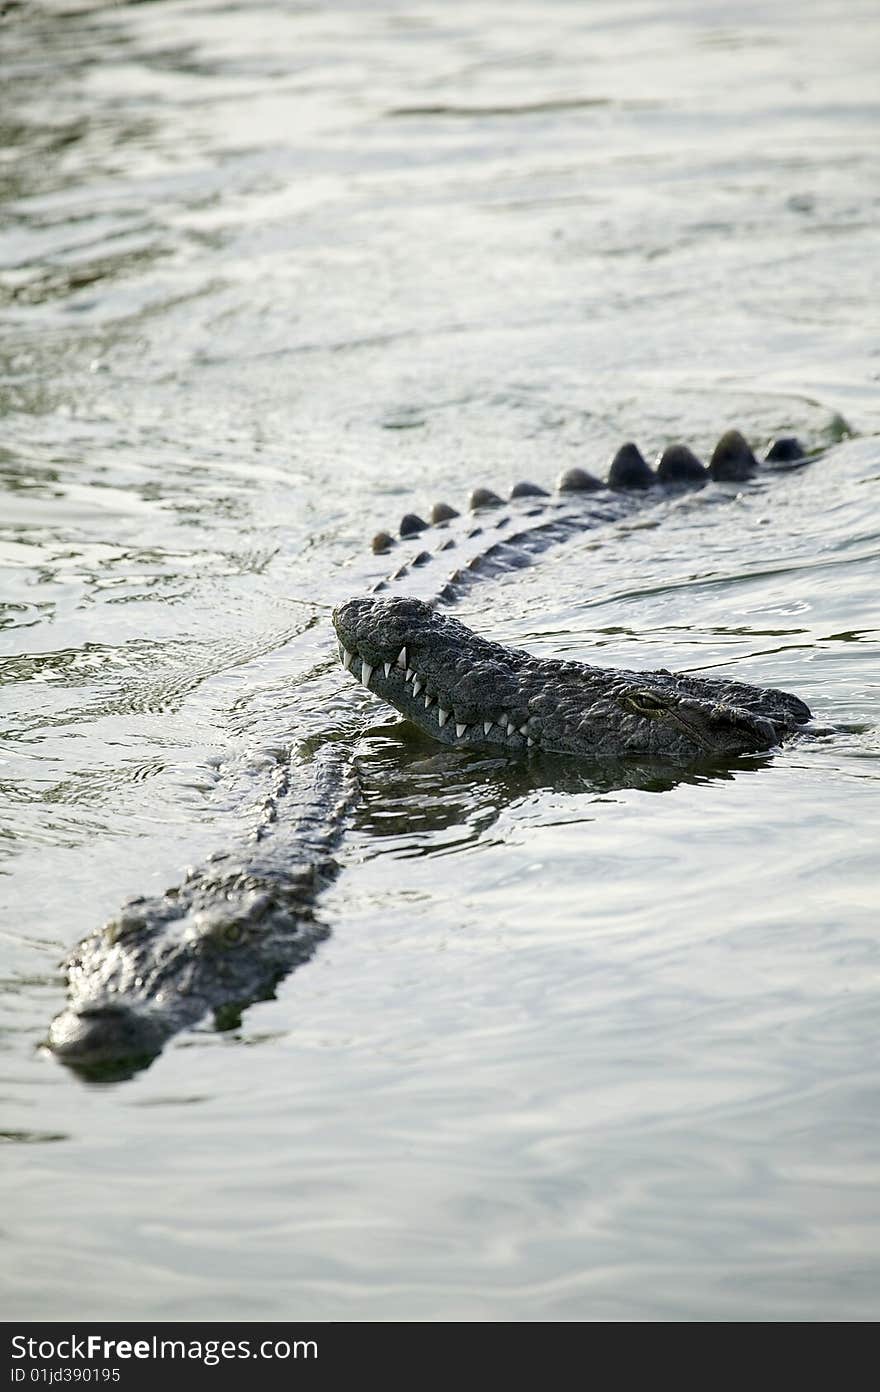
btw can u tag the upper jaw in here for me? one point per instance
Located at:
(421, 690)
(406, 684)
(467, 692)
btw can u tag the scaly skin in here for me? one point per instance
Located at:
(500, 536)
(216, 943)
(225, 936)
(468, 692)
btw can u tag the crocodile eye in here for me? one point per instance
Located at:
(645, 703)
(232, 934)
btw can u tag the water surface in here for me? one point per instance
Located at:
(272, 275)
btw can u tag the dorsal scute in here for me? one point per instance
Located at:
(629, 469)
(483, 498)
(679, 465)
(525, 489)
(442, 512)
(785, 449)
(411, 524)
(732, 459)
(577, 480)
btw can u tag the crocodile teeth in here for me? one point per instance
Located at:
(510, 727)
(442, 716)
(387, 668)
(401, 658)
(428, 700)
(530, 742)
(366, 672)
(460, 729)
(487, 726)
(417, 686)
(409, 675)
(524, 729)
(345, 657)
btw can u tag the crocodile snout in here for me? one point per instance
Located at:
(105, 1040)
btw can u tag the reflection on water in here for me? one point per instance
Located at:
(162, 965)
(581, 1043)
(434, 799)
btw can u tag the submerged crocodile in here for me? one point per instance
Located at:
(225, 937)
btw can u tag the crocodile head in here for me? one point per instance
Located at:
(163, 964)
(471, 693)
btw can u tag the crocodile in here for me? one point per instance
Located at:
(236, 925)
(465, 691)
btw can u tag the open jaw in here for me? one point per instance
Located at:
(468, 692)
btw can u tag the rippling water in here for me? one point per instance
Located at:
(270, 276)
